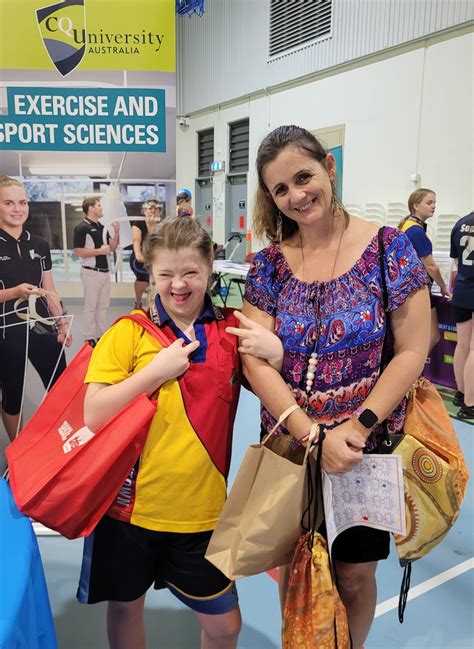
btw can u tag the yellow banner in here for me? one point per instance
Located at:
(69, 35)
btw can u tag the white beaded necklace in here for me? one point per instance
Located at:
(313, 359)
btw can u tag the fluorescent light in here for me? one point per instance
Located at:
(70, 170)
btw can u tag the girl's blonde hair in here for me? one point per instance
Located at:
(415, 197)
(176, 233)
(6, 181)
(266, 213)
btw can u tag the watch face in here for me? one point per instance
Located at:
(368, 418)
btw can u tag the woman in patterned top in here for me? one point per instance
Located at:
(318, 287)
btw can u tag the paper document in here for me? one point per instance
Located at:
(372, 494)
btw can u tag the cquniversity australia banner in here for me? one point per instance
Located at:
(87, 75)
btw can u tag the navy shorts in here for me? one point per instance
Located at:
(461, 314)
(121, 561)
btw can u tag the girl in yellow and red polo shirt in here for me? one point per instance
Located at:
(159, 526)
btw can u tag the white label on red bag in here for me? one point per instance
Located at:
(65, 430)
(81, 437)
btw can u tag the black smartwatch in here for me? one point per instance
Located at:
(367, 417)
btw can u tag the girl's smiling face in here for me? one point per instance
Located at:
(14, 207)
(181, 277)
(300, 185)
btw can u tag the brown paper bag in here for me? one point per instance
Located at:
(261, 520)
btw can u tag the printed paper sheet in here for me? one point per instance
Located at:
(372, 494)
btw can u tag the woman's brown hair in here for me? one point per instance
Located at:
(265, 211)
(176, 233)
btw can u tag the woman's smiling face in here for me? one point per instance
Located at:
(300, 185)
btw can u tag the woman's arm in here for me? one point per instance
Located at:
(20, 292)
(56, 309)
(103, 401)
(137, 243)
(274, 393)
(433, 271)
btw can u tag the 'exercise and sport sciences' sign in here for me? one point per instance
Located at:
(87, 35)
(84, 119)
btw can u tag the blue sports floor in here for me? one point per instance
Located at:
(439, 615)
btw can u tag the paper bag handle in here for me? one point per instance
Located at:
(284, 415)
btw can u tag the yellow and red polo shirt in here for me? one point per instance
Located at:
(179, 482)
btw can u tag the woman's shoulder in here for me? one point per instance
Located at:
(271, 263)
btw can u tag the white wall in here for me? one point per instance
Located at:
(408, 114)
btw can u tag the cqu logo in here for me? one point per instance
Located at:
(62, 28)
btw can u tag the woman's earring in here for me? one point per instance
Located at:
(279, 227)
(334, 201)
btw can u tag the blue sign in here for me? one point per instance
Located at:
(84, 119)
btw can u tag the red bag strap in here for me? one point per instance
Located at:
(148, 325)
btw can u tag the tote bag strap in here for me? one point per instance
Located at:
(149, 326)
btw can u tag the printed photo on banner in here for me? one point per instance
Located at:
(87, 111)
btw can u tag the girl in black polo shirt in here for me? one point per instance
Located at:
(25, 269)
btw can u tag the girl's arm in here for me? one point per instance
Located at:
(267, 382)
(103, 401)
(258, 340)
(433, 271)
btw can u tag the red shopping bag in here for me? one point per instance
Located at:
(61, 473)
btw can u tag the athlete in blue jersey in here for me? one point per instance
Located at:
(462, 252)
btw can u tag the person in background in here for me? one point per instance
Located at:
(95, 277)
(183, 203)
(462, 252)
(422, 205)
(318, 286)
(152, 211)
(25, 271)
(159, 527)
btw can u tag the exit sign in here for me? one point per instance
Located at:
(217, 166)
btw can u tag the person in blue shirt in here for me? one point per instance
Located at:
(462, 252)
(422, 205)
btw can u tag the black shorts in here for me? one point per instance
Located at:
(139, 269)
(121, 561)
(361, 544)
(461, 314)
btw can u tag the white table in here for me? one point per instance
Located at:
(230, 271)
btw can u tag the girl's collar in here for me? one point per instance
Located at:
(418, 220)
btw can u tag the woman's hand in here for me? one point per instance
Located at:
(23, 291)
(64, 334)
(342, 449)
(139, 257)
(258, 341)
(445, 292)
(173, 361)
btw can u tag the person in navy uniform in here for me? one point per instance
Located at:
(95, 277)
(25, 270)
(153, 212)
(422, 205)
(462, 252)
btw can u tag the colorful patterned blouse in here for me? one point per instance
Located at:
(342, 320)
